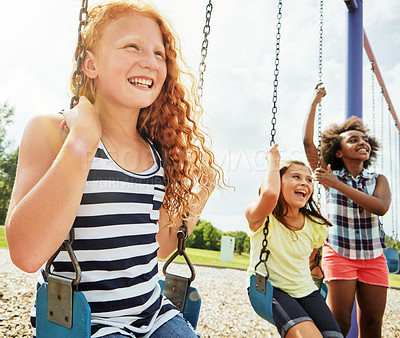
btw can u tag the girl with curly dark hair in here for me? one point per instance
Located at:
(122, 168)
(352, 256)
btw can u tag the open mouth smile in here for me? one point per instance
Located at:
(301, 193)
(141, 82)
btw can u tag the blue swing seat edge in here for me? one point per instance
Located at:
(81, 318)
(191, 310)
(392, 260)
(262, 302)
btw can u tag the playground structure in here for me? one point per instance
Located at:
(357, 41)
(354, 89)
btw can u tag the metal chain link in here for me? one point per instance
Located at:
(276, 73)
(382, 139)
(396, 186)
(204, 46)
(77, 76)
(77, 79)
(320, 54)
(80, 52)
(391, 168)
(393, 178)
(373, 97)
(264, 251)
(396, 181)
(264, 254)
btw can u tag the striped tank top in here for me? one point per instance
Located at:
(115, 244)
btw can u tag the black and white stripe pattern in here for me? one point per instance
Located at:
(115, 244)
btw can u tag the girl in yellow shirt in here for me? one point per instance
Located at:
(296, 231)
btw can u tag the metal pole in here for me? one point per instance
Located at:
(355, 59)
(354, 88)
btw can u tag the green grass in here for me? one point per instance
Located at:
(394, 280)
(212, 258)
(3, 242)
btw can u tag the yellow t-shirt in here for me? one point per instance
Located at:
(288, 262)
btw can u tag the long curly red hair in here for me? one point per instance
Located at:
(172, 121)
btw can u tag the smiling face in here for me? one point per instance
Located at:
(129, 66)
(297, 186)
(354, 145)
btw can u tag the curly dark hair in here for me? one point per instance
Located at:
(330, 142)
(310, 210)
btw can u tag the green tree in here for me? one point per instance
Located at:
(212, 237)
(205, 236)
(8, 160)
(392, 242)
(195, 240)
(242, 241)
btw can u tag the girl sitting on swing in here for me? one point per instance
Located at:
(296, 232)
(98, 167)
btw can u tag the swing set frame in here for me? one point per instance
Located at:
(64, 312)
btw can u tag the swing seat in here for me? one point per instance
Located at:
(191, 308)
(392, 259)
(262, 301)
(81, 317)
(323, 288)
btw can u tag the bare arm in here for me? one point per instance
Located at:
(308, 129)
(378, 203)
(269, 192)
(52, 170)
(167, 235)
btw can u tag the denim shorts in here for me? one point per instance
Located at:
(289, 311)
(176, 327)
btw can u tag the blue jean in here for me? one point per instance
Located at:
(176, 327)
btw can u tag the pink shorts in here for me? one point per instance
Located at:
(370, 271)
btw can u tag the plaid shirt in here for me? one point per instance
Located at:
(356, 233)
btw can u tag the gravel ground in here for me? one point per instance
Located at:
(225, 309)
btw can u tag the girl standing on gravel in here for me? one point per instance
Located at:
(352, 256)
(97, 167)
(296, 231)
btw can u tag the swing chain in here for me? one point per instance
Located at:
(394, 233)
(320, 50)
(182, 235)
(373, 96)
(77, 79)
(204, 46)
(264, 254)
(321, 25)
(382, 118)
(276, 73)
(80, 53)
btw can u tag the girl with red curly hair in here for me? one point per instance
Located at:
(121, 168)
(352, 256)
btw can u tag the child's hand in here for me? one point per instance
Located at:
(273, 156)
(319, 93)
(326, 176)
(82, 119)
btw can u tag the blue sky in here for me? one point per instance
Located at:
(38, 39)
